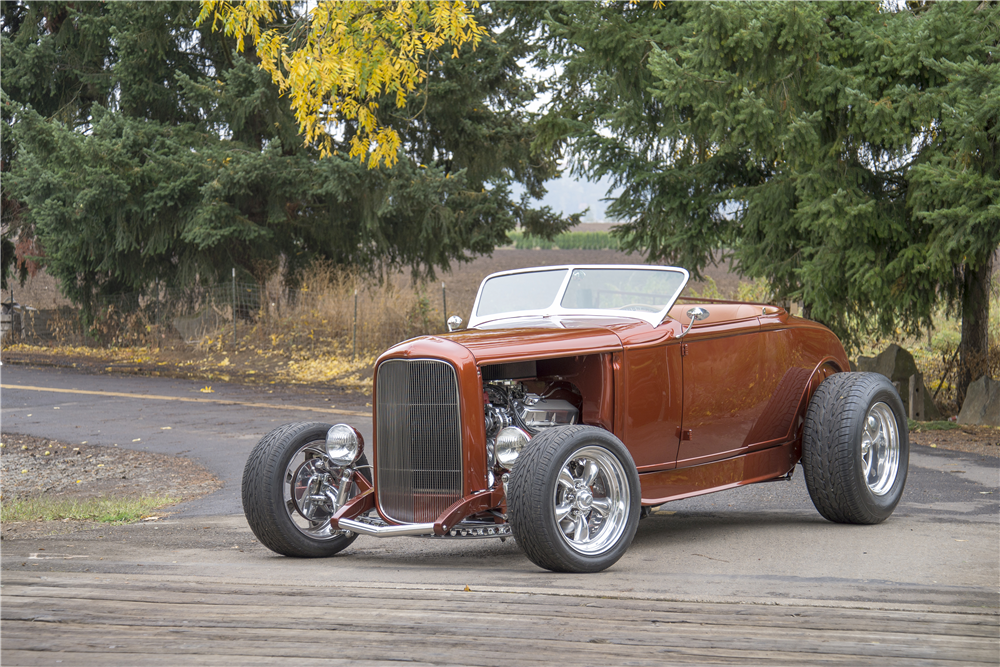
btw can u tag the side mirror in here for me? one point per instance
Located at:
(454, 322)
(696, 314)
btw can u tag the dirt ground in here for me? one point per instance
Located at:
(982, 440)
(41, 467)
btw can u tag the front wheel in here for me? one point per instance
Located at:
(290, 492)
(574, 501)
(855, 448)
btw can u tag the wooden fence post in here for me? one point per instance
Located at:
(916, 398)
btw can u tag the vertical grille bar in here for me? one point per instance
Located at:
(419, 439)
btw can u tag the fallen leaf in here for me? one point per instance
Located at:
(467, 589)
(207, 390)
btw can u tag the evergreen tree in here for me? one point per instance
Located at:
(160, 153)
(846, 152)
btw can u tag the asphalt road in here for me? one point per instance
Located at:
(163, 415)
(762, 544)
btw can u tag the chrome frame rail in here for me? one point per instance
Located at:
(376, 527)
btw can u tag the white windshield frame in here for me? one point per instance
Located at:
(555, 309)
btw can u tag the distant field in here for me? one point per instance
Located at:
(573, 240)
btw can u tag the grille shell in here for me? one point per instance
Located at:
(418, 457)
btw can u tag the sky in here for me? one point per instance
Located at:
(568, 195)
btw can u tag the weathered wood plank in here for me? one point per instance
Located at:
(77, 617)
(134, 644)
(386, 609)
(345, 600)
(36, 659)
(384, 625)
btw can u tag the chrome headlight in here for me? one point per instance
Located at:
(343, 445)
(510, 442)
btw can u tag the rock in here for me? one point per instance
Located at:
(898, 365)
(982, 403)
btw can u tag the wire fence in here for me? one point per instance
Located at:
(347, 309)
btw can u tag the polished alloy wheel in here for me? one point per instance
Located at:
(310, 492)
(591, 500)
(880, 449)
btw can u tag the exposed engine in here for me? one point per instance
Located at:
(509, 403)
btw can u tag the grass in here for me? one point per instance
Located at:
(932, 426)
(566, 241)
(114, 511)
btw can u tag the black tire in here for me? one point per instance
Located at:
(604, 514)
(275, 517)
(848, 485)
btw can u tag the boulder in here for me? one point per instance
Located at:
(982, 403)
(898, 365)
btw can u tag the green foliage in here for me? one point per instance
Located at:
(757, 291)
(565, 241)
(103, 510)
(845, 152)
(159, 155)
(711, 290)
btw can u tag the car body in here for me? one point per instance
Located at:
(576, 397)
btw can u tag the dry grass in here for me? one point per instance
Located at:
(311, 336)
(329, 332)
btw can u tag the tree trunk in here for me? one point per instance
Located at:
(975, 326)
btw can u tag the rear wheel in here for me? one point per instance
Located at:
(855, 448)
(290, 492)
(573, 501)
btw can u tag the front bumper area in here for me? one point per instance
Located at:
(375, 527)
(453, 522)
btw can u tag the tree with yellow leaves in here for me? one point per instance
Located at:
(143, 151)
(340, 60)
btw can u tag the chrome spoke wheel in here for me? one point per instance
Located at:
(880, 449)
(591, 504)
(310, 488)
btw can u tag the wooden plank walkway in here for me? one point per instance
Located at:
(108, 620)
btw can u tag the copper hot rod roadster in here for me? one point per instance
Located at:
(578, 397)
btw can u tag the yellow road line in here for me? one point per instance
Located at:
(189, 399)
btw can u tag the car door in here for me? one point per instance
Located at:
(650, 398)
(722, 393)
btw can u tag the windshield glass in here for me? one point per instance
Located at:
(642, 292)
(621, 289)
(515, 292)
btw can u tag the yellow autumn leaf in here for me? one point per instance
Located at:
(354, 52)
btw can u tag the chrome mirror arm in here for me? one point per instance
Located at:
(696, 314)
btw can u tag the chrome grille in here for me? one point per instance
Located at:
(419, 439)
